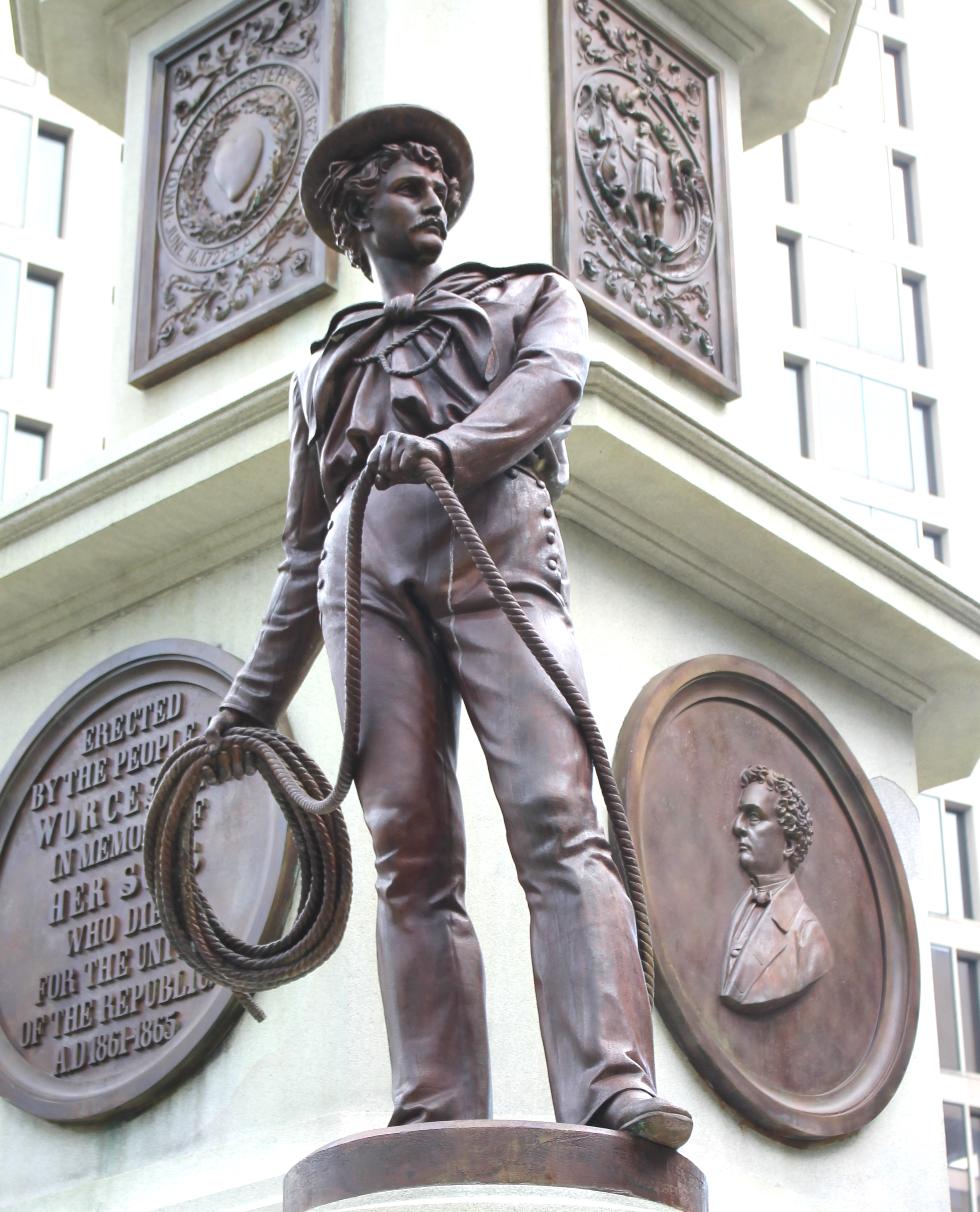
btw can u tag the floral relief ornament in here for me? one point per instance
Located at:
(645, 205)
(196, 298)
(245, 133)
(282, 29)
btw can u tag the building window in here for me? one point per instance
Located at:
(9, 288)
(957, 989)
(36, 322)
(898, 101)
(15, 146)
(934, 540)
(791, 191)
(968, 976)
(896, 8)
(796, 410)
(853, 299)
(27, 457)
(789, 250)
(957, 1159)
(905, 206)
(914, 318)
(948, 849)
(862, 426)
(942, 980)
(925, 446)
(47, 180)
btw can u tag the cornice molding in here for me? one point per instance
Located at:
(198, 492)
(817, 515)
(151, 451)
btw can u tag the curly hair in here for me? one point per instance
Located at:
(791, 810)
(348, 185)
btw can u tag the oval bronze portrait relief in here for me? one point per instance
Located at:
(97, 1013)
(785, 943)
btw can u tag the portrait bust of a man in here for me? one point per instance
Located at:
(776, 947)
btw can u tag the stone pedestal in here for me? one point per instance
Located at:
(499, 1165)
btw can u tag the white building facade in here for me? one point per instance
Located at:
(819, 523)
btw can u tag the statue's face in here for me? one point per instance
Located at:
(405, 220)
(762, 846)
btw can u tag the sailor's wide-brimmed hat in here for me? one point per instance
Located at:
(357, 137)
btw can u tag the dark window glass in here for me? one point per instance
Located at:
(790, 189)
(898, 102)
(957, 827)
(934, 540)
(26, 458)
(942, 979)
(36, 328)
(789, 247)
(904, 199)
(966, 970)
(957, 1162)
(925, 444)
(47, 188)
(896, 8)
(914, 321)
(794, 406)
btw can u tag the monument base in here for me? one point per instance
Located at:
(470, 1165)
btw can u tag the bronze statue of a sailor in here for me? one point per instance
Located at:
(479, 369)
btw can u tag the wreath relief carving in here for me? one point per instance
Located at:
(236, 111)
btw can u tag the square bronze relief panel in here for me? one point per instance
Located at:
(641, 205)
(235, 109)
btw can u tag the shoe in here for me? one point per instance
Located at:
(646, 1115)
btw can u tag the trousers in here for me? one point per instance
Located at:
(433, 638)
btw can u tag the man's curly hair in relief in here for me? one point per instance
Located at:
(791, 810)
(349, 185)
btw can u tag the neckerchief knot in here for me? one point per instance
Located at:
(401, 307)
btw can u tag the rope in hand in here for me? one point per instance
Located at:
(309, 803)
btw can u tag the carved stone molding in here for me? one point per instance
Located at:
(641, 206)
(98, 1015)
(236, 107)
(784, 936)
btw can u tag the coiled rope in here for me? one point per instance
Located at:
(309, 803)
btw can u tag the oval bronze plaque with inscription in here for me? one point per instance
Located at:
(784, 938)
(97, 1015)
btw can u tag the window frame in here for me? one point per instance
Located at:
(14, 423)
(54, 279)
(898, 53)
(914, 296)
(59, 134)
(792, 241)
(907, 165)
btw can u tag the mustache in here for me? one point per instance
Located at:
(433, 222)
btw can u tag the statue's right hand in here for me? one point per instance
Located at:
(231, 762)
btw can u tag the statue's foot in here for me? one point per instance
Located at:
(646, 1115)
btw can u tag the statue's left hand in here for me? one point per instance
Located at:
(226, 763)
(398, 457)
